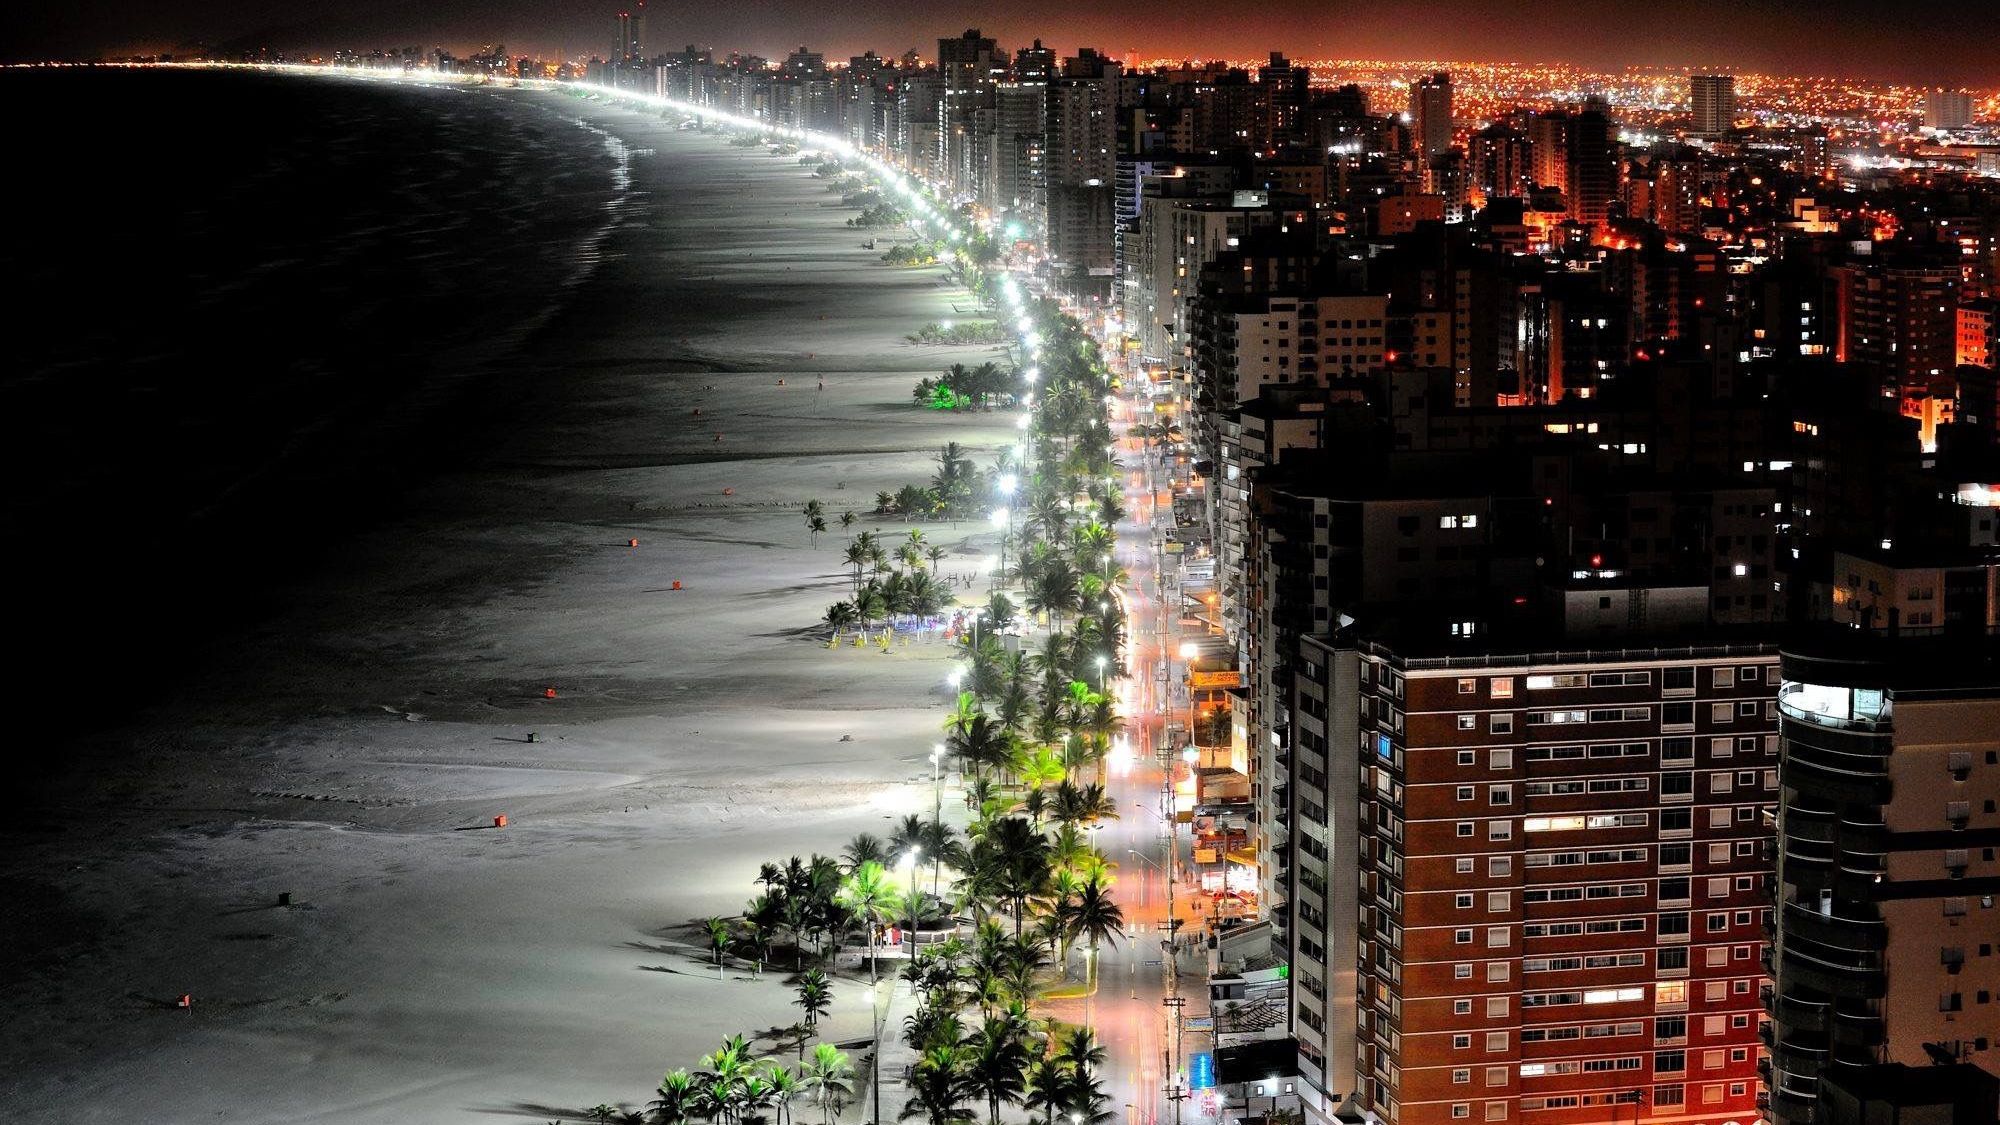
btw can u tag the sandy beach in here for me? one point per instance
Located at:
(349, 751)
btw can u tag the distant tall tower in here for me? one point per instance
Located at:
(624, 36)
(1714, 99)
(1592, 174)
(1947, 109)
(637, 49)
(1430, 113)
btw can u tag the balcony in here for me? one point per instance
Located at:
(1858, 1031)
(1853, 935)
(1795, 1014)
(1789, 1105)
(1835, 973)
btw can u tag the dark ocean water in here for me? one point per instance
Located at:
(249, 312)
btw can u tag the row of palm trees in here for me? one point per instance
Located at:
(1027, 734)
(959, 387)
(955, 488)
(731, 1085)
(896, 583)
(1008, 1057)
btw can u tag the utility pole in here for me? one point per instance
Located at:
(875, 1058)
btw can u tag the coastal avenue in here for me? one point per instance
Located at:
(1130, 1010)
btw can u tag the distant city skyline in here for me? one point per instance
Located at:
(1937, 45)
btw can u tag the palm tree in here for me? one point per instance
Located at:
(784, 1087)
(940, 842)
(1036, 803)
(753, 1093)
(1082, 1052)
(841, 616)
(964, 710)
(874, 900)
(1091, 914)
(814, 508)
(1088, 1103)
(827, 1076)
(856, 556)
(980, 745)
(847, 519)
(676, 1101)
(1025, 958)
(864, 848)
(1083, 803)
(718, 938)
(1048, 1087)
(871, 606)
(815, 997)
(936, 554)
(938, 1089)
(925, 596)
(762, 918)
(1054, 591)
(996, 1065)
(1021, 859)
(909, 833)
(602, 1113)
(1000, 611)
(1068, 850)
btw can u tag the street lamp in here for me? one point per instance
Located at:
(1102, 660)
(910, 859)
(1003, 518)
(875, 1060)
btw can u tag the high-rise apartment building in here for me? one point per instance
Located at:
(1081, 163)
(1713, 100)
(1500, 163)
(1430, 114)
(1020, 142)
(1978, 333)
(1591, 151)
(1561, 899)
(1898, 314)
(1884, 943)
(1947, 109)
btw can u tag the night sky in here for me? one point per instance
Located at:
(1925, 43)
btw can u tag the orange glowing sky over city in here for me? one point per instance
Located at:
(1932, 43)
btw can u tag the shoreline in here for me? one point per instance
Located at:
(394, 708)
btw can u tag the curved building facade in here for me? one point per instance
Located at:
(1884, 922)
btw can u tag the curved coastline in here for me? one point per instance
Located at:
(431, 974)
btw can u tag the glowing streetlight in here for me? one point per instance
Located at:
(937, 791)
(1003, 518)
(1007, 484)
